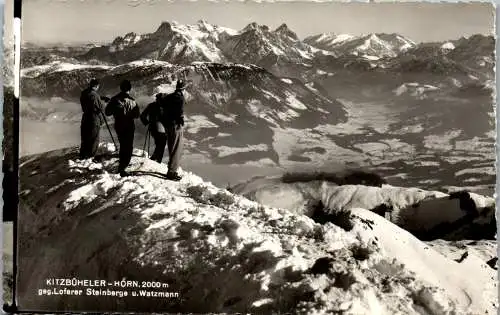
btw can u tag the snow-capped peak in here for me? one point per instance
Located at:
(328, 40)
(254, 26)
(165, 27)
(121, 42)
(406, 43)
(378, 44)
(204, 23)
(374, 44)
(191, 42)
(283, 29)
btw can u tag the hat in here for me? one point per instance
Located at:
(94, 82)
(181, 85)
(125, 86)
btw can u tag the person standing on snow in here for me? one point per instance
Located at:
(92, 120)
(151, 117)
(174, 125)
(124, 109)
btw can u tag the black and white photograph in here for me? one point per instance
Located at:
(288, 157)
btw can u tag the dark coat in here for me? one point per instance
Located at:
(124, 109)
(151, 116)
(92, 107)
(174, 108)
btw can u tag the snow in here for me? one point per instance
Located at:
(479, 170)
(146, 63)
(333, 40)
(226, 118)
(276, 50)
(288, 114)
(287, 81)
(400, 245)
(287, 140)
(229, 31)
(406, 46)
(198, 122)
(271, 192)
(479, 145)
(226, 151)
(406, 40)
(342, 38)
(418, 128)
(394, 147)
(412, 209)
(371, 41)
(456, 82)
(368, 57)
(210, 53)
(257, 109)
(452, 278)
(441, 142)
(482, 249)
(304, 54)
(416, 89)
(362, 116)
(310, 87)
(293, 102)
(266, 162)
(427, 163)
(57, 66)
(448, 46)
(268, 95)
(272, 259)
(202, 38)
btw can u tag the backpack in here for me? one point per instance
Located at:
(163, 109)
(124, 105)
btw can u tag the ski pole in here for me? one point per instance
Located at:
(145, 141)
(109, 129)
(149, 141)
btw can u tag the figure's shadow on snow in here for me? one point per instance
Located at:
(144, 173)
(104, 156)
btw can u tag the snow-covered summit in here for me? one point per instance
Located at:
(202, 41)
(283, 29)
(171, 41)
(221, 252)
(379, 45)
(120, 43)
(328, 41)
(58, 66)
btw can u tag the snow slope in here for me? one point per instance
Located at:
(427, 214)
(222, 252)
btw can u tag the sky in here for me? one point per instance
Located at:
(72, 21)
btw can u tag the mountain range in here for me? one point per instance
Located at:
(281, 51)
(418, 116)
(265, 96)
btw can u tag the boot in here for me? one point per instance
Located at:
(174, 176)
(124, 174)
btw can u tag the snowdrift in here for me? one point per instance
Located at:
(426, 214)
(221, 252)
